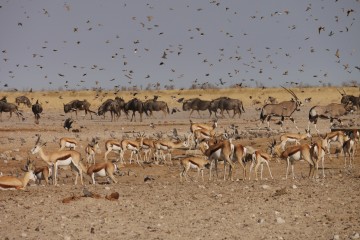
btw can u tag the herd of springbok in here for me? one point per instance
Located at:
(210, 149)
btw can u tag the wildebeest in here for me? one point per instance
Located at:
(225, 103)
(37, 109)
(331, 111)
(134, 105)
(24, 100)
(155, 105)
(10, 108)
(347, 99)
(114, 106)
(196, 104)
(76, 105)
(3, 99)
(283, 109)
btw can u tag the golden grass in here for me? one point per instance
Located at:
(55, 99)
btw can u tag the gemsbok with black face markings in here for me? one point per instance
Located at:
(283, 110)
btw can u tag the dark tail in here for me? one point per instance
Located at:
(207, 165)
(262, 116)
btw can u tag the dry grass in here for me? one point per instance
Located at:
(54, 99)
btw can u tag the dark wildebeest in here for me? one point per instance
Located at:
(3, 99)
(24, 100)
(37, 109)
(113, 106)
(331, 111)
(76, 105)
(347, 99)
(134, 105)
(225, 103)
(154, 105)
(196, 104)
(283, 109)
(10, 108)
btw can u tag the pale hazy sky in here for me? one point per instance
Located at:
(85, 44)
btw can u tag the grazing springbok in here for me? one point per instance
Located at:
(91, 149)
(198, 163)
(331, 111)
(66, 142)
(148, 145)
(283, 109)
(100, 169)
(134, 146)
(258, 159)
(169, 146)
(292, 154)
(293, 137)
(336, 136)
(59, 158)
(115, 146)
(239, 155)
(10, 182)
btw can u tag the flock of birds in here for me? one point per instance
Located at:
(251, 65)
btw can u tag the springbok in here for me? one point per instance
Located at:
(336, 136)
(283, 109)
(198, 163)
(221, 151)
(348, 148)
(10, 182)
(114, 145)
(134, 146)
(258, 159)
(169, 146)
(100, 169)
(292, 154)
(59, 158)
(67, 142)
(43, 173)
(293, 137)
(91, 150)
(318, 151)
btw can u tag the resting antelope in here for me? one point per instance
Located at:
(169, 146)
(66, 142)
(195, 126)
(258, 159)
(114, 145)
(202, 134)
(91, 150)
(221, 151)
(292, 154)
(59, 158)
(293, 137)
(198, 163)
(100, 169)
(10, 182)
(318, 151)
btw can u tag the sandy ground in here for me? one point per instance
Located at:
(164, 207)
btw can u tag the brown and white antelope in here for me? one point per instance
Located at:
(195, 126)
(115, 146)
(91, 149)
(198, 163)
(169, 146)
(349, 148)
(59, 158)
(293, 137)
(148, 145)
(292, 154)
(66, 142)
(134, 146)
(221, 151)
(318, 152)
(10, 182)
(259, 158)
(202, 134)
(336, 136)
(43, 173)
(100, 169)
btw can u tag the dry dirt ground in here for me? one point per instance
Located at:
(164, 207)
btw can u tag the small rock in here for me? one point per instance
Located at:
(294, 186)
(261, 220)
(355, 236)
(265, 186)
(336, 237)
(279, 220)
(23, 235)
